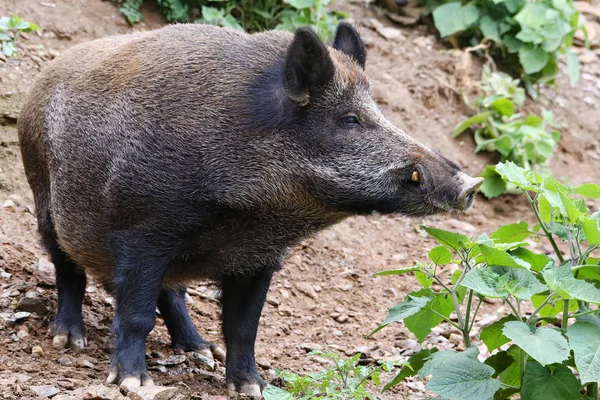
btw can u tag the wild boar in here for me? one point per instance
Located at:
(194, 151)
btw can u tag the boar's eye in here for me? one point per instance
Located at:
(350, 120)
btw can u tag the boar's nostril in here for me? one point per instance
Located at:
(469, 193)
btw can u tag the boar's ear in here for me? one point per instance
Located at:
(349, 42)
(307, 66)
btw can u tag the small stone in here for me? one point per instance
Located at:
(45, 272)
(342, 318)
(273, 301)
(308, 347)
(589, 100)
(22, 333)
(22, 315)
(6, 275)
(83, 362)
(10, 293)
(9, 205)
(389, 33)
(37, 351)
(284, 293)
(188, 299)
(65, 361)
(307, 289)
(337, 332)
(202, 361)
(152, 393)
(263, 364)
(8, 318)
(45, 390)
(156, 354)
(32, 305)
(172, 360)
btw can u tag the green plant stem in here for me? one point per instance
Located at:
(515, 311)
(584, 313)
(592, 390)
(465, 329)
(475, 314)
(565, 316)
(442, 284)
(537, 310)
(543, 226)
(448, 320)
(522, 365)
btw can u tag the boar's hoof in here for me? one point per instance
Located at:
(249, 389)
(129, 383)
(214, 352)
(64, 339)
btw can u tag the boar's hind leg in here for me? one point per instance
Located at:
(69, 329)
(242, 300)
(184, 336)
(138, 277)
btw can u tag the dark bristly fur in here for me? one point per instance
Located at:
(200, 152)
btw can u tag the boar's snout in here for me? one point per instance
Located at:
(469, 189)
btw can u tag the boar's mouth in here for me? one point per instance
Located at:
(456, 194)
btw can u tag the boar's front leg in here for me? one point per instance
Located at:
(184, 335)
(243, 299)
(138, 277)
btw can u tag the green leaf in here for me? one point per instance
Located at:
(440, 255)
(490, 28)
(492, 335)
(564, 283)
(493, 185)
(424, 279)
(572, 211)
(415, 363)
(512, 173)
(409, 306)
(475, 119)
(584, 339)
(8, 48)
(486, 282)
(533, 59)
(451, 18)
(211, 14)
(590, 190)
(512, 233)
(399, 271)
(573, 67)
(460, 376)
(591, 228)
(451, 240)
(300, 4)
(553, 307)
(274, 393)
(500, 258)
(532, 15)
(524, 284)
(545, 345)
(503, 107)
(537, 261)
(421, 323)
(555, 382)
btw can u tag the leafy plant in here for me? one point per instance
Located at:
(535, 353)
(526, 36)
(10, 28)
(249, 15)
(527, 141)
(344, 379)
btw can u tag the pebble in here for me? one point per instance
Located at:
(342, 318)
(32, 305)
(460, 225)
(22, 315)
(37, 351)
(9, 205)
(45, 272)
(263, 364)
(589, 100)
(202, 361)
(172, 360)
(65, 361)
(100, 392)
(273, 301)
(307, 289)
(308, 347)
(8, 318)
(45, 390)
(389, 33)
(152, 393)
(23, 333)
(337, 332)
(6, 275)
(82, 362)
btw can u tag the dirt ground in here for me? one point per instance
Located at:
(324, 297)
